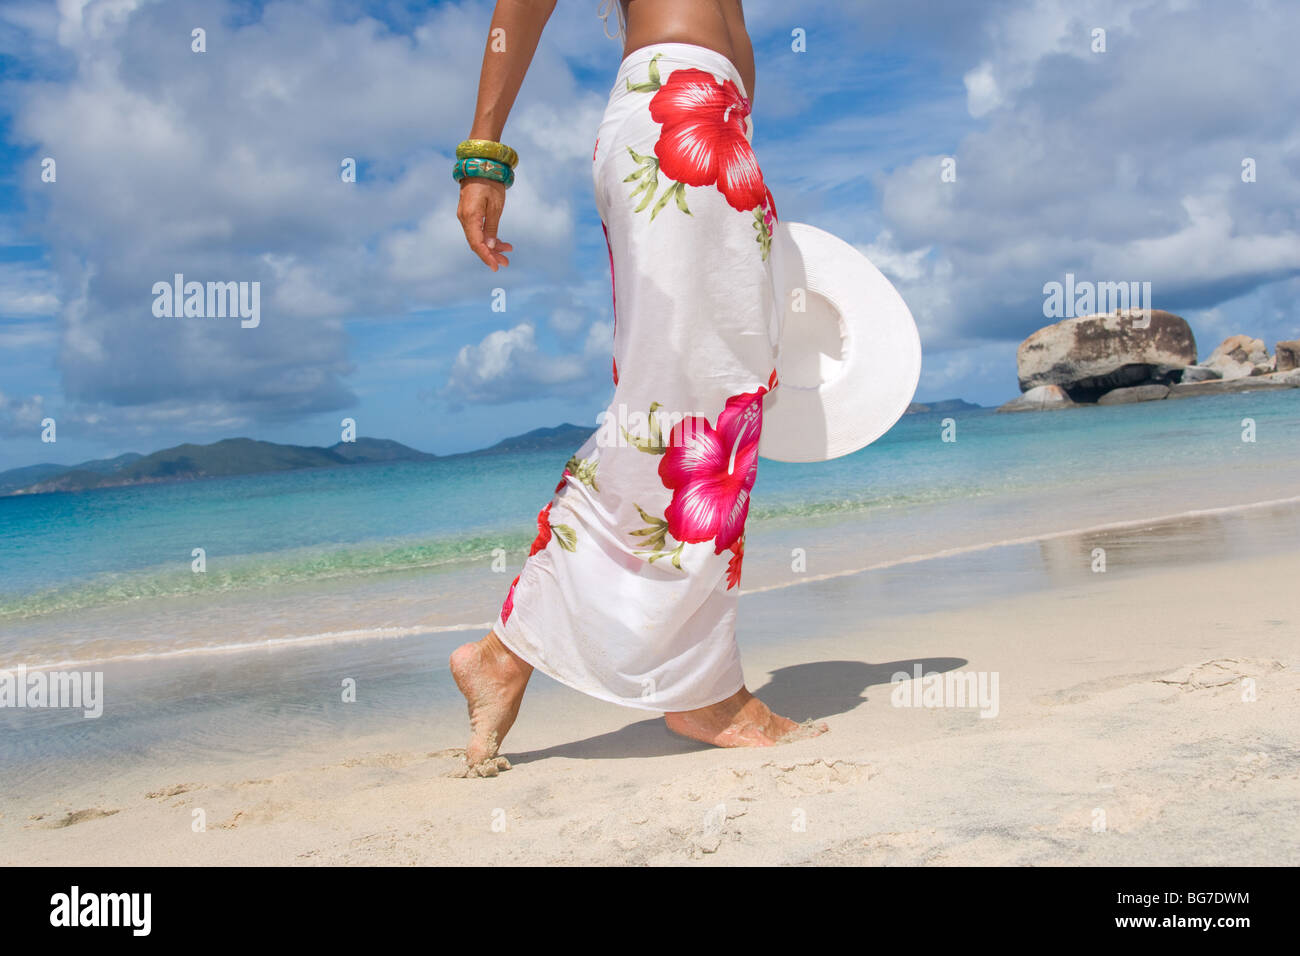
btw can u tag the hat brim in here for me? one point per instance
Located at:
(850, 355)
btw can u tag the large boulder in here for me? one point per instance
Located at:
(1041, 398)
(1135, 393)
(1240, 356)
(1287, 355)
(1095, 354)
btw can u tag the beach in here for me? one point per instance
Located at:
(1145, 714)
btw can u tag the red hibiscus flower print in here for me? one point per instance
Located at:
(509, 604)
(563, 478)
(543, 528)
(594, 148)
(711, 471)
(733, 566)
(702, 139)
(769, 210)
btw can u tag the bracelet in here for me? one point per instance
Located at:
(487, 149)
(484, 169)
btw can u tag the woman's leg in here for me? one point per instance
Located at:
(493, 679)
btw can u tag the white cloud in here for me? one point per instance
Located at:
(26, 290)
(566, 321)
(982, 94)
(508, 366)
(225, 166)
(1116, 166)
(21, 417)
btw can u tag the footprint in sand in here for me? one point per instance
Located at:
(1218, 673)
(175, 791)
(74, 817)
(233, 822)
(816, 776)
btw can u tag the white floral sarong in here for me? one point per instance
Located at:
(630, 591)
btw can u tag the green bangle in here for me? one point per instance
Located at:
(487, 149)
(484, 169)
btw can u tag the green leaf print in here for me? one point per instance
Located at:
(680, 191)
(655, 444)
(675, 191)
(663, 200)
(656, 535)
(566, 536)
(584, 469)
(764, 237)
(647, 172)
(646, 175)
(675, 554)
(652, 84)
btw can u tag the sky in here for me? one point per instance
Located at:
(1115, 164)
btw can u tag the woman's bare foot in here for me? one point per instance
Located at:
(742, 720)
(493, 679)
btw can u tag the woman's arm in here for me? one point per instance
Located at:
(512, 39)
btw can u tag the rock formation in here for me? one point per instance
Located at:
(1123, 357)
(1240, 356)
(1090, 356)
(1134, 393)
(1039, 398)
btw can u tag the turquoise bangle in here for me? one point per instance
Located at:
(484, 169)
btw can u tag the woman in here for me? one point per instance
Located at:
(630, 590)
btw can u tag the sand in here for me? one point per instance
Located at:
(1141, 719)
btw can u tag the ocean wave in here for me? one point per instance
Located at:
(250, 572)
(273, 643)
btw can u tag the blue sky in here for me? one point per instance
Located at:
(1122, 165)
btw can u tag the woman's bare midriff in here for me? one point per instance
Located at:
(716, 24)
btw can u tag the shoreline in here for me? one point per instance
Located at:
(763, 558)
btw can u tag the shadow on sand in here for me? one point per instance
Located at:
(801, 692)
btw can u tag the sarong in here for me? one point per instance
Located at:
(630, 591)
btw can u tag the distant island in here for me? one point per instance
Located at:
(247, 456)
(946, 405)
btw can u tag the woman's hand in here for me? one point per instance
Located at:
(479, 212)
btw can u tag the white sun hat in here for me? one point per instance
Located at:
(849, 363)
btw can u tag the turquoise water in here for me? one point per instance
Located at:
(97, 554)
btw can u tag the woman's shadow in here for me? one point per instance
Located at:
(801, 692)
